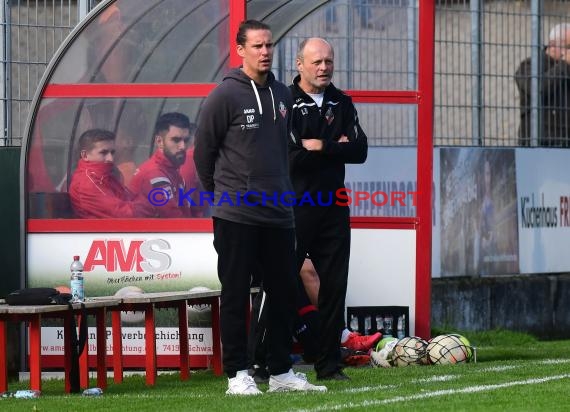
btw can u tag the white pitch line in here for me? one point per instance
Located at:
(500, 368)
(369, 388)
(554, 361)
(437, 378)
(444, 392)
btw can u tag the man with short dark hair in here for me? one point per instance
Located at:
(158, 180)
(241, 147)
(95, 191)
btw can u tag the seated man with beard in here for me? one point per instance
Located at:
(157, 180)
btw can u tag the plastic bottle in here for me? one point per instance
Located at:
(93, 392)
(367, 325)
(388, 320)
(353, 323)
(76, 286)
(27, 394)
(401, 327)
(379, 323)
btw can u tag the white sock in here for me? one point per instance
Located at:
(282, 375)
(242, 374)
(345, 335)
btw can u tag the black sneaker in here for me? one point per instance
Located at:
(354, 358)
(260, 375)
(337, 375)
(346, 352)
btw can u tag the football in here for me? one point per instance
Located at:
(130, 317)
(200, 316)
(465, 341)
(383, 342)
(383, 358)
(409, 351)
(447, 349)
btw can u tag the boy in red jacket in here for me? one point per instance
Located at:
(95, 191)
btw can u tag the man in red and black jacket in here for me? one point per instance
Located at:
(158, 180)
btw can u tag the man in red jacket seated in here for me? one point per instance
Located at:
(158, 180)
(95, 191)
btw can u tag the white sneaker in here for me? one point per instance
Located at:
(291, 381)
(242, 384)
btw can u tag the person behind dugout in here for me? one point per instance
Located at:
(553, 92)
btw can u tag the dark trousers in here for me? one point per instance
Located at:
(242, 249)
(256, 350)
(305, 328)
(324, 233)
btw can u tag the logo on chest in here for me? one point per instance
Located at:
(329, 116)
(282, 109)
(250, 122)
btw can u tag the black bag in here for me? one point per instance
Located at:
(38, 296)
(78, 344)
(51, 296)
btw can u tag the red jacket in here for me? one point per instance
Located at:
(191, 181)
(96, 193)
(158, 172)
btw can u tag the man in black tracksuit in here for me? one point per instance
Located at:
(326, 135)
(553, 91)
(241, 156)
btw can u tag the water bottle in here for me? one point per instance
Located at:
(77, 290)
(367, 325)
(27, 394)
(379, 323)
(93, 392)
(388, 325)
(401, 327)
(353, 323)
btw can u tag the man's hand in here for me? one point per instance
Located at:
(315, 145)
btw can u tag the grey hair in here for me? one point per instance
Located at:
(302, 45)
(557, 32)
(301, 48)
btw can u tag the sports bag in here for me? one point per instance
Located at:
(51, 296)
(38, 296)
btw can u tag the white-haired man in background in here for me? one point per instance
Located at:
(553, 91)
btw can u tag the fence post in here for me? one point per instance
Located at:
(476, 76)
(6, 76)
(535, 70)
(3, 65)
(82, 9)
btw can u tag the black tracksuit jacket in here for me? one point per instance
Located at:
(241, 146)
(314, 171)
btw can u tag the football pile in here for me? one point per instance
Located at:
(412, 350)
